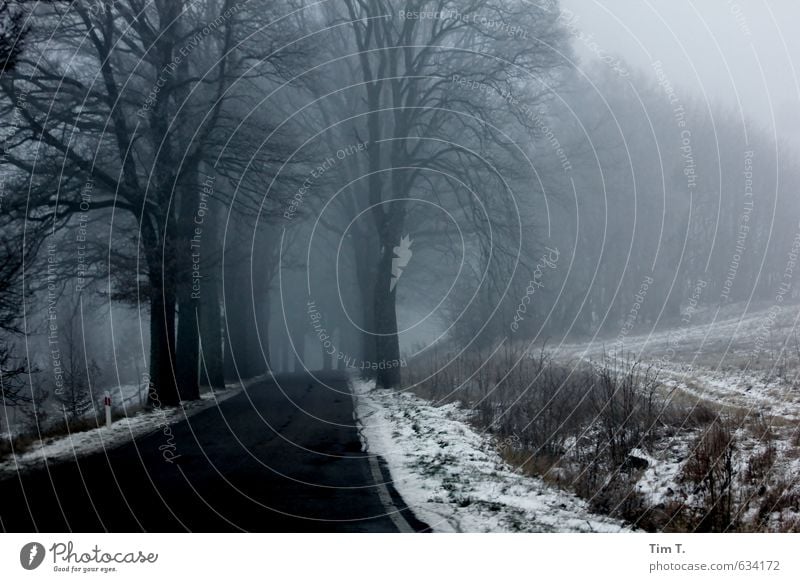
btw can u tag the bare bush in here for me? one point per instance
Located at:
(588, 429)
(710, 469)
(625, 405)
(35, 412)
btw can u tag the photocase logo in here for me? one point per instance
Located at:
(402, 254)
(31, 555)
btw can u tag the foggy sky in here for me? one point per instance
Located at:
(743, 54)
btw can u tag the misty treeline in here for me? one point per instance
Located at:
(227, 187)
(651, 203)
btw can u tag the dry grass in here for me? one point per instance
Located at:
(575, 426)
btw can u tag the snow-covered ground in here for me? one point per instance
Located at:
(136, 424)
(452, 476)
(737, 356)
(742, 361)
(125, 398)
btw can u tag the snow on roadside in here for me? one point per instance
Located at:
(70, 447)
(451, 476)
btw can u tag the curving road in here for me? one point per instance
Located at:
(282, 456)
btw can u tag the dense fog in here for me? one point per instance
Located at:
(196, 193)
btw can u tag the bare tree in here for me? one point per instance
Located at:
(12, 34)
(80, 371)
(35, 413)
(19, 244)
(435, 80)
(157, 93)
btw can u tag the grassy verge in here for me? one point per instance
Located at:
(630, 446)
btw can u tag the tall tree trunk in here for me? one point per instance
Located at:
(242, 356)
(366, 258)
(387, 344)
(283, 350)
(327, 363)
(163, 389)
(211, 336)
(299, 343)
(190, 287)
(192, 255)
(262, 359)
(188, 347)
(212, 370)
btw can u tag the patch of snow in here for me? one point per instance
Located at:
(453, 478)
(72, 446)
(717, 358)
(658, 482)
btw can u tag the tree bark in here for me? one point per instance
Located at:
(327, 362)
(163, 389)
(212, 372)
(190, 264)
(211, 336)
(299, 342)
(188, 347)
(284, 356)
(242, 357)
(365, 260)
(387, 345)
(190, 257)
(262, 360)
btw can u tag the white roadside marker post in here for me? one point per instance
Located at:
(107, 404)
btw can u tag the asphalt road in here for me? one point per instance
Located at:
(282, 456)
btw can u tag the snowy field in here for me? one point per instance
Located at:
(737, 362)
(725, 375)
(737, 356)
(452, 476)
